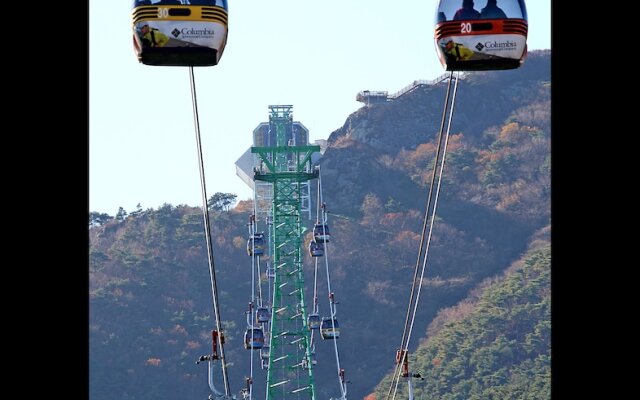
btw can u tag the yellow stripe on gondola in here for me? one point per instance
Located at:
(203, 14)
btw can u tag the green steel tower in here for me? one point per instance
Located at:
(287, 166)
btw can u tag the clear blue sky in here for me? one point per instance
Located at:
(142, 145)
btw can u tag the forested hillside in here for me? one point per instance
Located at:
(150, 293)
(495, 344)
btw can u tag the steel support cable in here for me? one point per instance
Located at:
(315, 298)
(300, 323)
(315, 305)
(398, 367)
(207, 231)
(332, 306)
(252, 242)
(315, 309)
(433, 216)
(318, 201)
(252, 232)
(259, 273)
(256, 265)
(260, 303)
(315, 273)
(271, 253)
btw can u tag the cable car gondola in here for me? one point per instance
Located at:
(262, 314)
(321, 233)
(313, 321)
(255, 244)
(253, 338)
(329, 328)
(179, 33)
(481, 35)
(316, 249)
(265, 352)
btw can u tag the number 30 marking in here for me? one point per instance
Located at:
(465, 27)
(164, 13)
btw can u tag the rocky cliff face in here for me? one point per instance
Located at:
(358, 150)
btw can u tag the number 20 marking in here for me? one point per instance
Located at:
(465, 27)
(164, 13)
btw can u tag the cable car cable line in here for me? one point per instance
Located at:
(402, 355)
(458, 35)
(207, 229)
(252, 231)
(332, 303)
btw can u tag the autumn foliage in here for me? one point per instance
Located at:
(483, 333)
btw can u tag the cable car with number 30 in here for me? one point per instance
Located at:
(187, 33)
(480, 35)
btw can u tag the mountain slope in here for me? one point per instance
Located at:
(494, 344)
(150, 294)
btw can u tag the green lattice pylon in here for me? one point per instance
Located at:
(290, 372)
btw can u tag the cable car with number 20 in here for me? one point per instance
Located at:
(480, 35)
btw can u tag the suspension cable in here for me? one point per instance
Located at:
(319, 198)
(415, 294)
(207, 229)
(319, 206)
(424, 230)
(332, 303)
(255, 261)
(315, 308)
(252, 242)
(433, 214)
(315, 272)
(315, 299)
